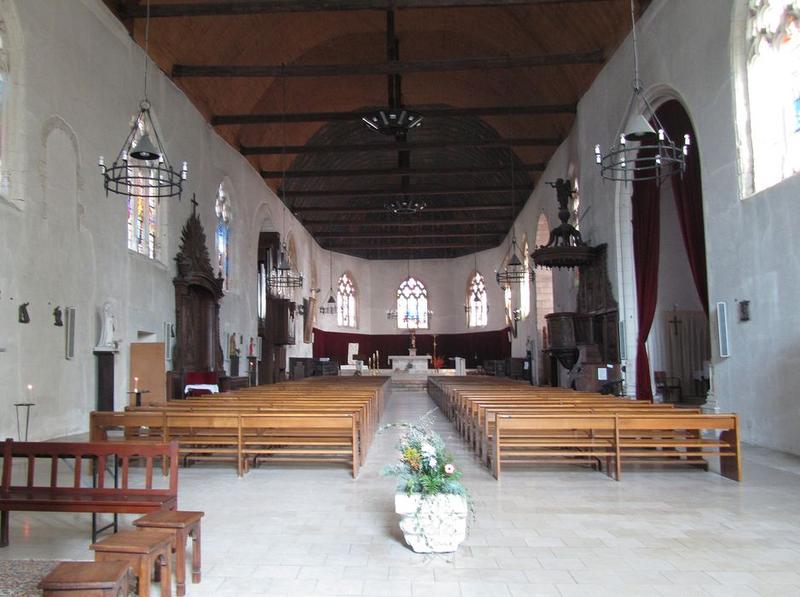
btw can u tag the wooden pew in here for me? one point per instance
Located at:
(43, 493)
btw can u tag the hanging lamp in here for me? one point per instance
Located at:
(514, 272)
(285, 276)
(641, 150)
(329, 308)
(141, 166)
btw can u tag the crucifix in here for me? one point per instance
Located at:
(675, 321)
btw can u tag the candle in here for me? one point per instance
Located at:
(30, 392)
(135, 384)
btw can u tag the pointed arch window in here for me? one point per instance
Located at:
(143, 208)
(412, 305)
(525, 287)
(346, 302)
(773, 90)
(544, 281)
(222, 208)
(478, 302)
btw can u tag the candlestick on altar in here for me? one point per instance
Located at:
(135, 384)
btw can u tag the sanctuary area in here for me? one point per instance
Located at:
(399, 297)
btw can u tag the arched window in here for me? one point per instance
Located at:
(544, 280)
(412, 305)
(346, 302)
(222, 208)
(478, 303)
(773, 90)
(143, 207)
(508, 304)
(525, 286)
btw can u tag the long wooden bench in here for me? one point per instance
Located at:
(625, 438)
(33, 489)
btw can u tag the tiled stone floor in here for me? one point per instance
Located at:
(560, 531)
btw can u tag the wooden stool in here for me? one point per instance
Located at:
(141, 550)
(183, 525)
(87, 579)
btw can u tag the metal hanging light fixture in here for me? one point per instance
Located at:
(329, 308)
(285, 276)
(514, 272)
(405, 206)
(641, 151)
(395, 120)
(142, 166)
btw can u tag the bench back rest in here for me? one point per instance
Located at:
(584, 422)
(100, 454)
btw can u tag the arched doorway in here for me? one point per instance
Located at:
(673, 347)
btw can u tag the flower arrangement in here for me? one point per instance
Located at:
(425, 466)
(432, 503)
(437, 362)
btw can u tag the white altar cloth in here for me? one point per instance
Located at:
(410, 363)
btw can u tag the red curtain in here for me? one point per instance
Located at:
(646, 222)
(688, 193)
(475, 346)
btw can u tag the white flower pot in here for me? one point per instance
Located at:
(436, 523)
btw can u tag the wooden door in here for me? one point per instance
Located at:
(147, 363)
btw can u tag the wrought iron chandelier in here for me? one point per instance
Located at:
(142, 166)
(284, 276)
(514, 272)
(329, 308)
(392, 121)
(641, 151)
(405, 206)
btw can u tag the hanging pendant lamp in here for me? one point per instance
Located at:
(285, 276)
(141, 166)
(329, 308)
(641, 150)
(514, 272)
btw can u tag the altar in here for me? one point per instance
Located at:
(410, 363)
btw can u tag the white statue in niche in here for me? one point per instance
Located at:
(107, 341)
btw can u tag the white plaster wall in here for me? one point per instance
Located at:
(64, 241)
(752, 248)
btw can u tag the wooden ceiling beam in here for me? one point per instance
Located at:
(297, 117)
(339, 148)
(391, 172)
(405, 235)
(407, 224)
(251, 7)
(382, 210)
(483, 63)
(348, 194)
(369, 247)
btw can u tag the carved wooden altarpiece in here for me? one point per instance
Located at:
(197, 295)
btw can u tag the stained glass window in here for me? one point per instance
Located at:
(478, 302)
(525, 286)
(223, 210)
(346, 302)
(412, 305)
(143, 210)
(773, 85)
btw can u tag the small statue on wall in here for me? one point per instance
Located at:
(23, 313)
(57, 320)
(107, 330)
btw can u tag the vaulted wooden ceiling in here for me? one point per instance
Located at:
(287, 81)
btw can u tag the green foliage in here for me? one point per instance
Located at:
(425, 466)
